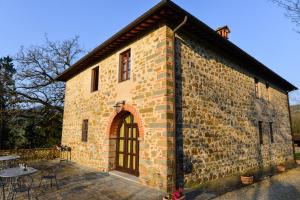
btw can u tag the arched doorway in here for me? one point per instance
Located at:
(127, 144)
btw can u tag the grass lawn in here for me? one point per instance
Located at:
(297, 156)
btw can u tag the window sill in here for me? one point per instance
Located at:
(124, 81)
(93, 92)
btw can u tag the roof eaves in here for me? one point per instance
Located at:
(216, 38)
(214, 34)
(63, 75)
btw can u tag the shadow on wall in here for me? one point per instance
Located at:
(190, 163)
(268, 189)
(179, 119)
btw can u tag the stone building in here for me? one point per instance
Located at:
(168, 98)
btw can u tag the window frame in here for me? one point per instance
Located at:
(268, 92)
(256, 82)
(85, 130)
(95, 79)
(125, 59)
(260, 132)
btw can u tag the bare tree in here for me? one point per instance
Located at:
(37, 67)
(292, 8)
(295, 97)
(41, 98)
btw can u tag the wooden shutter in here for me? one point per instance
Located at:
(95, 79)
(125, 66)
(84, 130)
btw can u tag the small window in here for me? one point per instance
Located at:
(268, 92)
(256, 88)
(260, 129)
(95, 79)
(125, 66)
(85, 126)
(271, 132)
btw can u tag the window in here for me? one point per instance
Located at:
(268, 92)
(125, 65)
(260, 129)
(85, 126)
(256, 88)
(271, 132)
(95, 79)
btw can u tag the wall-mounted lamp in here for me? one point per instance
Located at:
(119, 106)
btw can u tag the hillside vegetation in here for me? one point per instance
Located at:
(295, 114)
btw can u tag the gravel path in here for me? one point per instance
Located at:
(285, 186)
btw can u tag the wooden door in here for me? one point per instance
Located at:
(127, 158)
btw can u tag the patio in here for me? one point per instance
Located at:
(78, 182)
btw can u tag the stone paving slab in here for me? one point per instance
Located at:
(79, 183)
(285, 186)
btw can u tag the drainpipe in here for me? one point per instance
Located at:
(290, 118)
(174, 90)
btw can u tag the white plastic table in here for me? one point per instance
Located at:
(12, 175)
(11, 157)
(17, 172)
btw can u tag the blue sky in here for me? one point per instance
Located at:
(258, 26)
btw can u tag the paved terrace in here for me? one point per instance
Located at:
(77, 182)
(285, 186)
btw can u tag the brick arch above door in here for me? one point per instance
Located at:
(114, 122)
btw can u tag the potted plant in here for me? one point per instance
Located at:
(280, 167)
(247, 179)
(176, 195)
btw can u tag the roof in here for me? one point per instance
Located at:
(169, 12)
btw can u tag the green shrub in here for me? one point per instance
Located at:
(297, 155)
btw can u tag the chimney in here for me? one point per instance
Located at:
(223, 31)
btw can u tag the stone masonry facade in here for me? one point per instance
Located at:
(148, 96)
(218, 115)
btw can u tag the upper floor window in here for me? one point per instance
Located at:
(256, 88)
(268, 92)
(271, 131)
(85, 127)
(95, 79)
(260, 131)
(125, 66)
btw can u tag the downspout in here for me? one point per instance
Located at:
(290, 118)
(174, 90)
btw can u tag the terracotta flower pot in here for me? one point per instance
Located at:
(247, 180)
(298, 162)
(280, 168)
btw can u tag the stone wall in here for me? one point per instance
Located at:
(148, 94)
(217, 116)
(217, 113)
